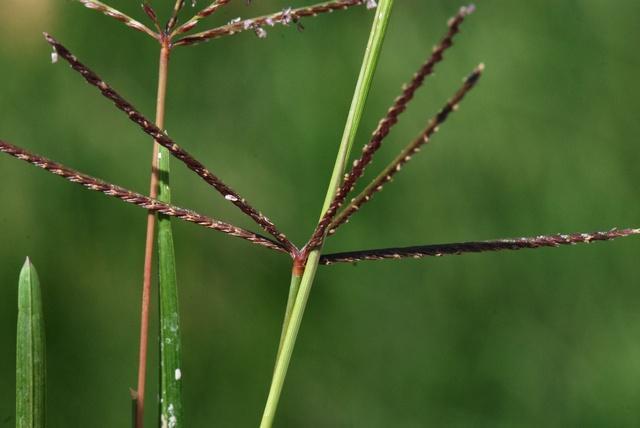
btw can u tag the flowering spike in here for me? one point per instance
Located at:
(476, 247)
(405, 155)
(173, 19)
(384, 127)
(163, 139)
(209, 10)
(134, 198)
(284, 17)
(151, 13)
(116, 14)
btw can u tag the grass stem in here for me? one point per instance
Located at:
(369, 63)
(163, 69)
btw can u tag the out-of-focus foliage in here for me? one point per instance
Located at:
(547, 143)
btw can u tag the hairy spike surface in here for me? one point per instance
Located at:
(209, 10)
(134, 198)
(284, 17)
(406, 154)
(163, 139)
(476, 247)
(388, 121)
(116, 14)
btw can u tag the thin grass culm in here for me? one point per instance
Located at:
(301, 288)
(337, 209)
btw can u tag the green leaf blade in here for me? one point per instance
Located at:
(30, 352)
(170, 341)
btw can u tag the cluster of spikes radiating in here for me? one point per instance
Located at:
(173, 35)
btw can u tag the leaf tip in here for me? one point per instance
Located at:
(27, 264)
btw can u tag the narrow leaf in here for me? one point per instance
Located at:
(170, 366)
(30, 352)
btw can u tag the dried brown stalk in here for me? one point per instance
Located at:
(134, 198)
(476, 247)
(116, 14)
(405, 155)
(163, 139)
(285, 17)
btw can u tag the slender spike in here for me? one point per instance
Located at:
(134, 198)
(163, 139)
(151, 13)
(385, 125)
(284, 17)
(116, 14)
(405, 155)
(173, 20)
(476, 247)
(207, 11)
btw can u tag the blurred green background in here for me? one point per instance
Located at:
(547, 143)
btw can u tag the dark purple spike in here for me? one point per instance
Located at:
(163, 139)
(388, 121)
(284, 17)
(406, 154)
(209, 10)
(134, 198)
(173, 19)
(476, 247)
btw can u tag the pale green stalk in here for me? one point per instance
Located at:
(30, 352)
(291, 299)
(369, 63)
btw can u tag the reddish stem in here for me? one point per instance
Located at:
(148, 251)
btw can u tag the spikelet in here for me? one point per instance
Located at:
(116, 14)
(163, 139)
(406, 154)
(284, 17)
(477, 247)
(134, 198)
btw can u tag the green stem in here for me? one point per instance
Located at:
(293, 292)
(170, 371)
(369, 63)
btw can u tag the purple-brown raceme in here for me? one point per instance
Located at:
(209, 10)
(368, 152)
(116, 14)
(437, 250)
(405, 155)
(163, 139)
(384, 127)
(285, 17)
(134, 198)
